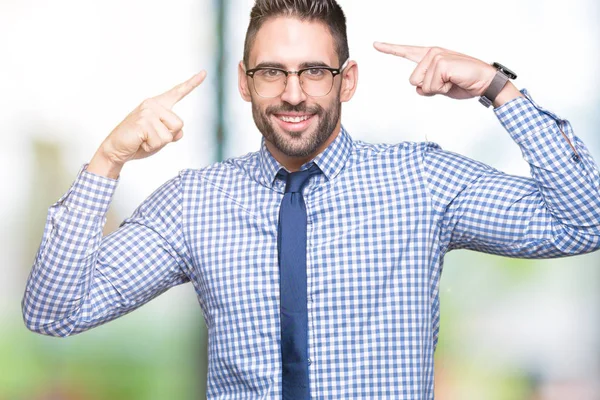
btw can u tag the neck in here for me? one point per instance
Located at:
(294, 163)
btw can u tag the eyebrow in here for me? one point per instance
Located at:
(306, 64)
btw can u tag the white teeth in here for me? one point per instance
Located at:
(294, 119)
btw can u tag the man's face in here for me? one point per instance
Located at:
(294, 123)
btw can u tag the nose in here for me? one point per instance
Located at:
(293, 93)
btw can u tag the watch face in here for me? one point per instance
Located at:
(504, 69)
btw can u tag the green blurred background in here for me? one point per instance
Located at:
(71, 70)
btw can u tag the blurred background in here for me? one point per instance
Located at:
(70, 70)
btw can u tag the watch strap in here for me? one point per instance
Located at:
(495, 87)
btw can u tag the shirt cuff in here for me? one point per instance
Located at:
(89, 193)
(522, 117)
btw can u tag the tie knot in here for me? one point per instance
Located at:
(295, 181)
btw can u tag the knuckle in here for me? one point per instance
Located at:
(172, 121)
(165, 137)
(146, 112)
(147, 147)
(148, 104)
(437, 57)
(432, 51)
(178, 125)
(140, 121)
(154, 146)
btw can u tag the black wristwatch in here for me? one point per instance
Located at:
(503, 74)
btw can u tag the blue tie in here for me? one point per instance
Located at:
(291, 245)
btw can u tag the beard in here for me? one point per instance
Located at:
(298, 144)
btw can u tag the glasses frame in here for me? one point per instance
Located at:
(334, 71)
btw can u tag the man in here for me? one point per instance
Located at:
(317, 259)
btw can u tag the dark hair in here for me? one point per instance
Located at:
(326, 11)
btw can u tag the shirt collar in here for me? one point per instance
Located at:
(330, 161)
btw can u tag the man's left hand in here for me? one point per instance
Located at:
(441, 71)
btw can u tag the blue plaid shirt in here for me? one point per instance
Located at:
(380, 220)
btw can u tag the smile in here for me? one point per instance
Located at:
(297, 119)
(294, 122)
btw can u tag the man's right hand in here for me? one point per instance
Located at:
(146, 130)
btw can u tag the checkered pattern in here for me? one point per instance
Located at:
(380, 219)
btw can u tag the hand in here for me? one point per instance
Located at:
(146, 130)
(441, 71)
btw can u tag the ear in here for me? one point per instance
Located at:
(349, 81)
(243, 82)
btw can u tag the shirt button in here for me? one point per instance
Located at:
(309, 361)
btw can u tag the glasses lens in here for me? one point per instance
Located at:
(269, 82)
(316, 81)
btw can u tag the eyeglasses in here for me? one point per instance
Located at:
(315, 81)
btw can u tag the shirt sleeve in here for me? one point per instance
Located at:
(81, 279)
(553, 213)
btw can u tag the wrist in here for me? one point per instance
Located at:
(509, 92)
(104, 165)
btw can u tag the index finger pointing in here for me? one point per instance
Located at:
(413, 53)
(169, 98)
